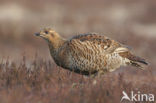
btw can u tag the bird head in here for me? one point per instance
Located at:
(48, 34)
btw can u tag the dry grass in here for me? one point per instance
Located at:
(43, 82)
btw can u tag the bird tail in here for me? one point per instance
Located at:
(134, 60)
(137, 61)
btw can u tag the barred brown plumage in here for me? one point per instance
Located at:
(88, 53)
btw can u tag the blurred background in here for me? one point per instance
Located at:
(28, 74)
(131, 22)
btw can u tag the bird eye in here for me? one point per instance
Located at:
(46, 32)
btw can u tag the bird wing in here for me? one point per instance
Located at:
(88, 51)
(95, 41)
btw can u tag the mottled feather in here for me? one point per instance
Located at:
(89, 53)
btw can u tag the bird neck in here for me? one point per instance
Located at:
(54, 45)
(55, 48)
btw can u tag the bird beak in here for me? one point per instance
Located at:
(37, 34)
